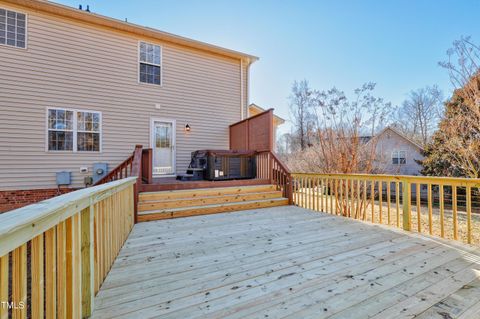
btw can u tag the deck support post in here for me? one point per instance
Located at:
(407, 222)
(88, 270)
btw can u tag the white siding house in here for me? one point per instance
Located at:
(396, 153)
(77, 88)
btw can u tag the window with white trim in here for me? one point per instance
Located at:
(399, 157)
(13, 27)
(70, 130)
(150, 59)
(88, 131)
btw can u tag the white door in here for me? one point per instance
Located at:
(163, 145)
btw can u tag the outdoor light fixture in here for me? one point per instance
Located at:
(187, 128)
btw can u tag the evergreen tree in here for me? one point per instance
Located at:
(455, 148)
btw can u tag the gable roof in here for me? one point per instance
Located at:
(261, 109)
(101, 20)
(399, 133)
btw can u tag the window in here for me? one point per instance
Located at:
(399, 157)
(70, 130)
(150, 63)
(13, 28)
(88, 131)
(163, 137)
(60, 130)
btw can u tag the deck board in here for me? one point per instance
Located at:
(287, 262)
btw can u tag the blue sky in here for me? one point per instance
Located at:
(342, 43)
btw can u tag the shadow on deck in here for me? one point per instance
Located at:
(287, 262)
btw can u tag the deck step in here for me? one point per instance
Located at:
(210, 209)
(204, 192)
(159, 204)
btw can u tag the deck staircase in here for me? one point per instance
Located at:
(183, 203)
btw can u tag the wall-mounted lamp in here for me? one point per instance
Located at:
(187, 128)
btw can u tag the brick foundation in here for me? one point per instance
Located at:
(18, 198)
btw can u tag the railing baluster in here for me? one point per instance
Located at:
(37, 260)
(61, 271)
(321, 190)
(430, 209)
(469, 214)
(454, 212)
(380, 201)
(309, 193)
(442, 211)
(51, 273)
(389, 217)
(372, 195)
(397, 201)
(406, 195)
(4, 278)
(19, 282)
(87, 260)
(359, 206)
(365, 200)
(347, 198)
(338, 190)
(418, 200)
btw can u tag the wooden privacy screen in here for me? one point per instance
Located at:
(254, 134)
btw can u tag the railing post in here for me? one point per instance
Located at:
(270, 167)
(407, 222)
(88, 271)
(290, 189)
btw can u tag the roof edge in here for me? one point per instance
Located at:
(261, 109)
(105, 21)
(396, 131)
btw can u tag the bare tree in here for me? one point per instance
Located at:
(300, 109)
(341, 129)
(420, 113)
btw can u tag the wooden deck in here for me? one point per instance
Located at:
(287, 262)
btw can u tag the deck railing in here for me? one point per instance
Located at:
(54, 255)
(270, 167)
(445, 207)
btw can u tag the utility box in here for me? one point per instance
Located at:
(99, 171)
(64, 178)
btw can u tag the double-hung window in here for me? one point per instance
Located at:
(13, 26)
(399, 157)
(71, 130)
(150, 59)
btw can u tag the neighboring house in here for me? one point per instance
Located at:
(254, 109)
(78, 89)
(397, 153)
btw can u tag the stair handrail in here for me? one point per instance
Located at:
(278, 173)
(131, 167)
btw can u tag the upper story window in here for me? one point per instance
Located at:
(70, 130)
(399, 157)
(150, 63)
(13, 28)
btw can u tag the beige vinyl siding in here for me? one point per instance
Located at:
(78, 66)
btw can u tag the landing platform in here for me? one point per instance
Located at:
(287, 262)
(171, 183)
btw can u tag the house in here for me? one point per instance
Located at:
(397, 154)
(254, 109)
(79, 90)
